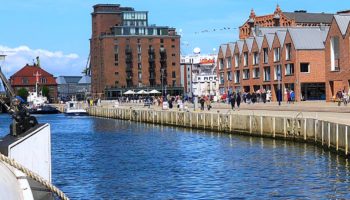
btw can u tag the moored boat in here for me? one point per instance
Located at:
(74, 108)
(44, 109)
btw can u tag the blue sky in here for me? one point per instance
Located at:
(59, 31)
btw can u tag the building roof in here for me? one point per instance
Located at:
(259, 41)
(223, 48)
(269, 38)
(61, 80)
(343, 22)
(307, 38)
(304, 17)
(73, 80)
(261, 31)
(232, 47)
(29, 72)
(240, 44)
(281, 36)
(85, 80)
(249, 41)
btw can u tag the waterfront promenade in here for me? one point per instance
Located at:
(327, 111)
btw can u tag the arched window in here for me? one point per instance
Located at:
(43, 80)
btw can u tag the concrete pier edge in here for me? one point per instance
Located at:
(328, 135)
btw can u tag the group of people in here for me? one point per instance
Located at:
(290, 96)
(205, 101)
(235, 99)
(257, 96)
(343, 96)
(93, 102)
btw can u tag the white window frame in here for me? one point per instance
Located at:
(288, 51)
(276, 54)
(236, 60)
(245, 59)
(237, 77)
(254, 72)
(256, 58)
(269, 74)
(275, 74)
(246, 74)
(334, 55)
(288, 69)
(228, 62)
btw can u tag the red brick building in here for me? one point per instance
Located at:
(337, 56)
(128, 53)
(29, 75)
(295, 56)
(283, 19)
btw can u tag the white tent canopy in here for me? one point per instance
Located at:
(154, 92)
(141, 92)
(129, 92)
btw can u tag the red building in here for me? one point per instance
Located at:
(29, 75)
(289, 58)
(278, 18)
(337, 56)
(128, 53)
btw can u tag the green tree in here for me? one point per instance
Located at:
(23, 93)
(45, 91)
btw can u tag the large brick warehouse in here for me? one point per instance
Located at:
(128, 53)
(311, 59)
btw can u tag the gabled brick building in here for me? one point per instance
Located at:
(29, 75)
(293, 55)
(337, 56)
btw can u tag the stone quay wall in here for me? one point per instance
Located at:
(329, 135)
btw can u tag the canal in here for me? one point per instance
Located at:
(94, 158)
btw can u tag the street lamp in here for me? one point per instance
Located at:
(279, 93)
(162, 77)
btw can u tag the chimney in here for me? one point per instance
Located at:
(38, 61)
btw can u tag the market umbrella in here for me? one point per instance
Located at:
(129, 92)
(154, 92)
(141, 92)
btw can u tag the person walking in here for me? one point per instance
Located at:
(244, 97)
(254, 98)
(208, 103)
(288, 96)
(201, 101)
(248, 98)
(233, 100)
(263, 96)
(238, 99)
(345, 98)
(339, 97)
(292, 96)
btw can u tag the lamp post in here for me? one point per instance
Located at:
(279, 93)
(162, 76)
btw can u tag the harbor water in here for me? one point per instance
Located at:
(95, 158)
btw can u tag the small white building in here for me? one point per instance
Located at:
(205, 85)
(198, 74)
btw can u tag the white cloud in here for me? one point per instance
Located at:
(54, 62)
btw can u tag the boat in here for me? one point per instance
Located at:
(74, 108)
(43, 109)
